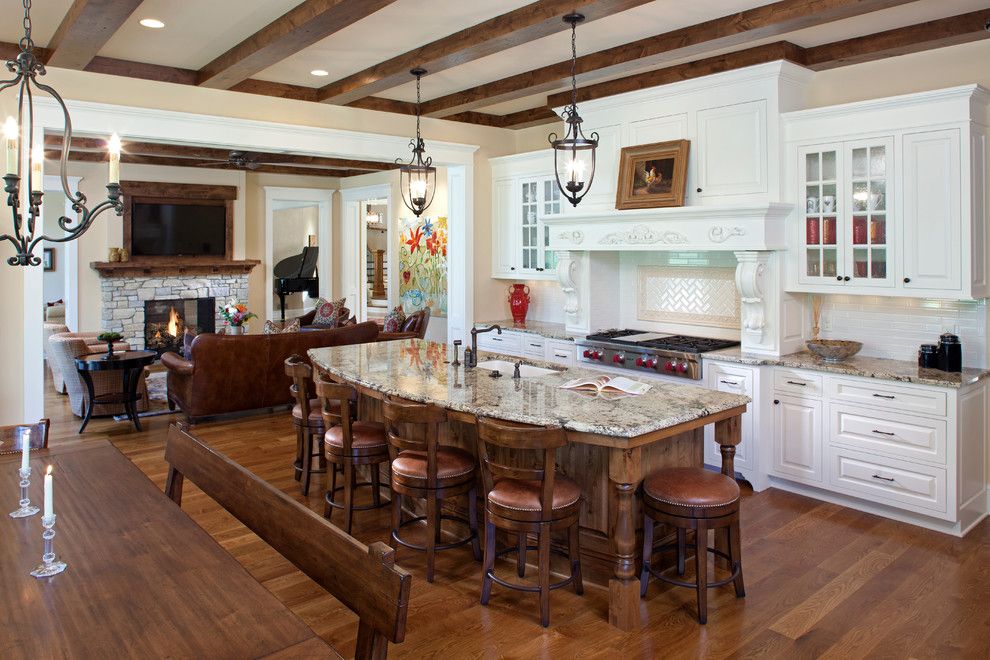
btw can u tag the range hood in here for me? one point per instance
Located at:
(708, 228)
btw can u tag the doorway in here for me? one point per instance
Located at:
(376, 240)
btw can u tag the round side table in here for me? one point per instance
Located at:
(131, 363)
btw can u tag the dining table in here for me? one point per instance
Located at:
(143, 579)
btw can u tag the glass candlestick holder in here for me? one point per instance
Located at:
(50, 565)
(26, 507)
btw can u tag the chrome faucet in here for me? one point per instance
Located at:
(474, 342)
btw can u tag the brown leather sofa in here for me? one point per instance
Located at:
(227, 374)
(414, 327)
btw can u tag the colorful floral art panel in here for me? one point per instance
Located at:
(423, 265)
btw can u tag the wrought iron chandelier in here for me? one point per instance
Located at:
(574, 154)
(418, 177)
(20, 132)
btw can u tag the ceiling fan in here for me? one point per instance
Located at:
(241, 160)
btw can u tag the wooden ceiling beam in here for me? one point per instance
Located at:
(523, 25)
(950, 31)
(159, 149)
(531, 117)
(299, 28)
(780, 50)
(85, 29)
(166, 161)
(732, 30)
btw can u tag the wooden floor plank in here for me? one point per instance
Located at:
(815, 570)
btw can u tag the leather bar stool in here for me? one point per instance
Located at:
(424, 469)
(349, 443)
(307, 420)
(698, 499)
(527, 500)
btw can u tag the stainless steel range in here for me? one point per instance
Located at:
(636, 350)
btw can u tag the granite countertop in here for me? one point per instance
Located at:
(542, 328)
(904, 371)
(415, 369)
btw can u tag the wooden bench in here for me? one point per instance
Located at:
(363, 578)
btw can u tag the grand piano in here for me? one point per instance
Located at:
(297, 273)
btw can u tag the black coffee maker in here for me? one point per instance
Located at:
(949, 353)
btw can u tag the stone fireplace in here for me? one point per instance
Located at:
(167, 321)
(125, 296)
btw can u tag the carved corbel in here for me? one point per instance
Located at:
(750, 281)
(568, 274)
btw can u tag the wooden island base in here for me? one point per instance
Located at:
(609, 471)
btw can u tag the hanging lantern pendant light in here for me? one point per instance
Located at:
(17, 136)
(418, 177)
(574, 154)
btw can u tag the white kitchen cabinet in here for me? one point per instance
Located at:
(797, 439)
(890, 196)
(529, 345)
(731, 150)
(742, 380)
(523, 193)
(932, 236)
(847, 214)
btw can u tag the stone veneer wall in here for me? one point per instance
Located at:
(124, 297)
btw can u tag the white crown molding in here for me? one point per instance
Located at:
(962, 92)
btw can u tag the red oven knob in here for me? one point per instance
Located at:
(650, 363)
(639, 362)
(587, 353)
(597, 355)
(670, 366)
(682, 367)
(618, 358)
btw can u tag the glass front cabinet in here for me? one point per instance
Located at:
(523, 250)
(847, 214)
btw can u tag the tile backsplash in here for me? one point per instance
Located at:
(895, 327)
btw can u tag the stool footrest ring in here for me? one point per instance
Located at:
(363, 507)
(439, 546)
(736, 567)
(524, 587)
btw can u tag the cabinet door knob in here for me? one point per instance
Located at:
(837, 277)
(699, 189)
(846, 278)
(512, 267)
(907, 280)
(776, 402)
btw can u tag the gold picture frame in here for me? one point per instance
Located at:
(652, 175)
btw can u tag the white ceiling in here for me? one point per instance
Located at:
(199, 30)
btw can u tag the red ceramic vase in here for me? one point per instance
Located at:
(519, 302)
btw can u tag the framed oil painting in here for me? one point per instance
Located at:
(652, 175)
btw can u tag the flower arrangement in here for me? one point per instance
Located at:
(109, 338)
(236, 314)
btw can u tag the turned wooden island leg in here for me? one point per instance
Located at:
(728, 434)
(624, 473)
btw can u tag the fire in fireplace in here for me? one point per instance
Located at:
(167, 321)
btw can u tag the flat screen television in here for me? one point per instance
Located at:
(178, 230)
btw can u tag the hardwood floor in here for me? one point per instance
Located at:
(821, 580)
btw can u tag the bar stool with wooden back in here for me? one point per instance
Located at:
(693, 498)
(425, 469)
(527, 500)
(307, 420)
(350, 443)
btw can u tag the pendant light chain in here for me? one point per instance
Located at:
(419, 76)
(26, 42)
(574, 66)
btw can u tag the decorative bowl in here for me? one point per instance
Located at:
(834, 350)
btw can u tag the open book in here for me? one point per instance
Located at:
(607, 385)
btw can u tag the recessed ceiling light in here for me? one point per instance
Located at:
(152, 23)
(320, 72)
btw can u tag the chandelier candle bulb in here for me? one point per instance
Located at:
(37, 169)
(10, 144)
(114, 159)
(49, 500)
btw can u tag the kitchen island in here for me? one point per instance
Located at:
(614, 442)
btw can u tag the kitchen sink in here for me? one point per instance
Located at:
(506, 368)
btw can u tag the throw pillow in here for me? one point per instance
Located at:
(394, 320)
(328, 312)
(271, 328)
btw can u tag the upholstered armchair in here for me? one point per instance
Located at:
(50, 329)
(63, 349)
(414, 327)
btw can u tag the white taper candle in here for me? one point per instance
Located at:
(10, 144)
(49, 501)
(26, 450)
(114, 147)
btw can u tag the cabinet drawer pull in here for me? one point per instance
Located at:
(794, 382)
(877, 476)
(729, 382)
(884, 433)
(885, 396)
(537, 345)
(560, 354)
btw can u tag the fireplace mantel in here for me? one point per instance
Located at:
(167, 266)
